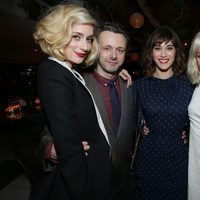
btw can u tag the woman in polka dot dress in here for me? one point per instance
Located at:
(164, 94)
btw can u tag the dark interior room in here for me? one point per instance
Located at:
(21, 121)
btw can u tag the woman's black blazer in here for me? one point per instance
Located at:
(71, 118)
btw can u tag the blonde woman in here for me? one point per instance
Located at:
(194, 114)
(66, 35)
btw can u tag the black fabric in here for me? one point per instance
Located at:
(14, 169)
(72, 118)
(123, 186)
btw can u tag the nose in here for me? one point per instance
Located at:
(84, 45)
(163, 53)
(113, 54)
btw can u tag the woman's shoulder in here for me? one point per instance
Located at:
(48, 64)
(184, 79)
(51, 66)
(185, 82)
(50, 69)
(140, 81)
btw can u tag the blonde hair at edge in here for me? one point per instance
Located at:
(192, 68)
(54, 31)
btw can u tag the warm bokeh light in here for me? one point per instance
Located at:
(134, 56)
(136, 20)
(37, 104)
(13, 111)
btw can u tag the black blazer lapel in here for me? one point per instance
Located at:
(93, 87)
(124, 104)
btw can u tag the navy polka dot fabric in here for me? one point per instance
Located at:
(162, 157)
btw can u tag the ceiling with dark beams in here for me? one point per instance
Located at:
(17, 20)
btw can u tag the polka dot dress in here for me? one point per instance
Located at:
(162, 157)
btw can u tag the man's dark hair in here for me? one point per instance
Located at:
(114, 27)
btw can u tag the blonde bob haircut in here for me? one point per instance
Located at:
(54, 31)
(192, 67)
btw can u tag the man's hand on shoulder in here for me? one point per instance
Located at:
(126, 76)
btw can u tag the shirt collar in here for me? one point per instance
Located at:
(64, 64)
(102, 80)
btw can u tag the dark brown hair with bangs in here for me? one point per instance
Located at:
(157, 37)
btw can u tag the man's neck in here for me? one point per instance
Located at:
(105, 74)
